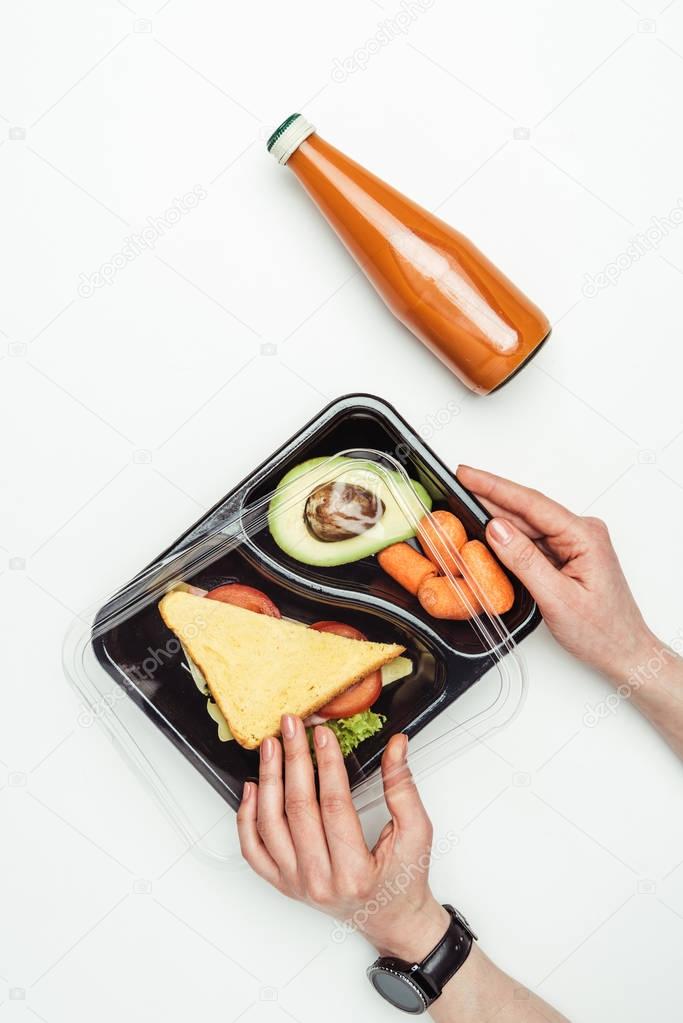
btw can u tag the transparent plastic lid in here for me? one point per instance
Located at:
(194, 661)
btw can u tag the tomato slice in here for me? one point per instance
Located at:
(247, 597)
(358, 697)
(339, 629)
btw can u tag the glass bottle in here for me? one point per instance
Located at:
(432, 277)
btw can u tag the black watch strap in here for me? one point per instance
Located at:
(414, 986)
(444, 961)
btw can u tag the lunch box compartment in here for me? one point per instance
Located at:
(150, 656)
(230, 543)
(365, 426)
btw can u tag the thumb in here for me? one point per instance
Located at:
(400, 792)
(521, 555)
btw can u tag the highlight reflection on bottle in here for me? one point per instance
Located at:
(433, 278)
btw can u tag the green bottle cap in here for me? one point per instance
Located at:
(288, 136)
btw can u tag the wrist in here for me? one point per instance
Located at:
(642, 664)
(415, 934)
(624, 665)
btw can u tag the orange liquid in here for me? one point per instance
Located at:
(432, 278)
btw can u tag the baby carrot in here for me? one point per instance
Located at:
(441, 599)
(487, 577)
(441, 534)
(406, 565)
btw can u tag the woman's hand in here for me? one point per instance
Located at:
(314, 850)
(569, 566)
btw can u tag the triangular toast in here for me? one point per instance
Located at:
(258, 668)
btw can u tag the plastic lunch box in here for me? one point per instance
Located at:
(134, 680)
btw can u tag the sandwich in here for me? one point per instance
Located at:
(257, 666)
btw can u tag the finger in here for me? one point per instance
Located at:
(400, 793)
(301, 805)
(521, 555)
(271, 821)
(251, 844)
(345, 841)
(539, 511)
(498, 511)
(539, 539)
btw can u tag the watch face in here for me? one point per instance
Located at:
(399, 990)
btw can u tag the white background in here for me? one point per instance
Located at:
(550, 133)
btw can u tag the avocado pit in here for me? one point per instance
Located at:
(340, 510)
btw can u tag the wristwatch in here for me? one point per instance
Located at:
(413, 987)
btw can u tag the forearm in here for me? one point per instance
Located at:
(654, 683)
(481, 993)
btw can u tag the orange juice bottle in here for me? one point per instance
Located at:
(432, 278)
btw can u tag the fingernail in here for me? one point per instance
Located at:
(267, 750)
(399, 749)
(320, 736)
(500, 530)
(288, 726)
(246, 791)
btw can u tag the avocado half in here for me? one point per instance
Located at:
(405, 502)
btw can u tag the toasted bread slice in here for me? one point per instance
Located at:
(258, 668)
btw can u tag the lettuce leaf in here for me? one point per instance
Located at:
(352, 731)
